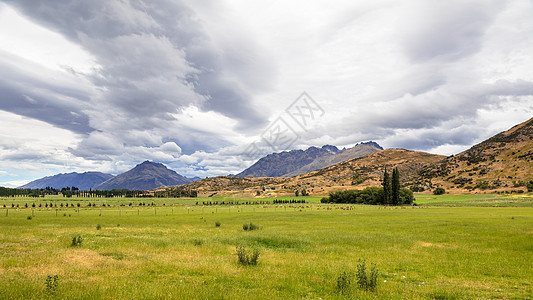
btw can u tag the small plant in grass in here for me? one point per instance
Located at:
(247, 257)
(250, 227)
(198, 242)
(217, 223)
(77, 240)
(367, 281)
(98, 227)
(29, 217)
(51, 283)
(343, 283)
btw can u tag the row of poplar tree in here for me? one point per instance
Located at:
(391, 193)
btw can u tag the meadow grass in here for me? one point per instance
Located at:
(486, 200)
(177, 251)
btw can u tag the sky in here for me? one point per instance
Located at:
(209, 86)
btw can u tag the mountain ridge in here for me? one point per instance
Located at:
(83, 181)
(502, 162)
(144, 176)
(296, 162)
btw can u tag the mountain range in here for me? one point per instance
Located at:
(296, 162)
(83, 181)
(503, 163)
(145, 176)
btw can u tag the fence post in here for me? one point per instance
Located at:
(32, 212)
(137, 211)
(56, 212)
(7, 212)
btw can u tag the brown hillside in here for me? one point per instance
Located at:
(241, 186)
(358, 172)
(365, 171)
(501, 163)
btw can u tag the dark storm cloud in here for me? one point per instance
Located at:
(46, 100)
(155, 56)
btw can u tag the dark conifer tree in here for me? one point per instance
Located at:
(387, 189)
(395, 187)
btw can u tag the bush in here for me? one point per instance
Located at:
(76, 241)
(439, 191)
(98, 227)
(367, 281)
(247, 257)
(51, 283)
(343, 283)
(29, 217)
(217, 224)
(250, 227)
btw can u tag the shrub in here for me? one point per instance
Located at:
(29, 217)
(98, 227)
(198, 242)
(217, 224)
(247, 257)
(439, 191)
(367, 281)
(76, 241)
(343, 283)
(250, 227)
(51, 283)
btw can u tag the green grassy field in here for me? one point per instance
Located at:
(175, 251)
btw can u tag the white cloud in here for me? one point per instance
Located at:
(40, 45)
(14, 183)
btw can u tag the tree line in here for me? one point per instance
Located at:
(69, 192)
(390, 193)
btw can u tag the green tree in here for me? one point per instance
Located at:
(395, 186)
(387, 189)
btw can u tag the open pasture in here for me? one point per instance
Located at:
(176, 251)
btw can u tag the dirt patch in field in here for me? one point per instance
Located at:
(426, 245)
(86, 259)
